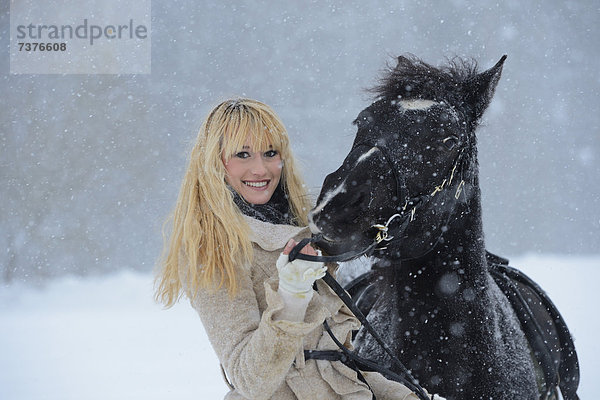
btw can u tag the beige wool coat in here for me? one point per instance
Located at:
(263, 357)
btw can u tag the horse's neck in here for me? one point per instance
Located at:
(461, 249)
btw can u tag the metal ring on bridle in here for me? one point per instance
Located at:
(382, 234)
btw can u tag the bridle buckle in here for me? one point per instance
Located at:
(382, 233)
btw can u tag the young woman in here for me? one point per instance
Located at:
(241, 208)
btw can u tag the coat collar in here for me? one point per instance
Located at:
(271, 237)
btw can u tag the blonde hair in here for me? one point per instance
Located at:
(209, 239)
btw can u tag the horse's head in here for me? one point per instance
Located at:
(414, 155)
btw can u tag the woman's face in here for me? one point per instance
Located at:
(254, 175)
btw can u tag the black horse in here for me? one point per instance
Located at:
(411, 181)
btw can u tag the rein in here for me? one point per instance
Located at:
(406, 378)
(382, 236)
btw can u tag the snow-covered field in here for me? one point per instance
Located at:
(106, 339)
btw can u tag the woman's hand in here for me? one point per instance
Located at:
(298, 276)
(308, 249)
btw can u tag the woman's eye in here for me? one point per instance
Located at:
(270, 153)
(242, 154)
(450, 142)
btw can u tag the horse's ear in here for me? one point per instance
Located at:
(402, 60)
(481, 88)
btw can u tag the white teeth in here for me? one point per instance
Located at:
(257, 184)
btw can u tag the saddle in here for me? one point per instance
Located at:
(549, 339)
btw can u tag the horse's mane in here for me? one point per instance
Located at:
(414, 78)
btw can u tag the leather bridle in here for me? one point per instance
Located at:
(404, 217)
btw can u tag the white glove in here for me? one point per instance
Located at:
(298, 276)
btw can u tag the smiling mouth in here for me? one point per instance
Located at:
(256, 184)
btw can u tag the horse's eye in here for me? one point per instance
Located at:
(450, 142)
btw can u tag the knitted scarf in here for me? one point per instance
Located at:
(275, 211)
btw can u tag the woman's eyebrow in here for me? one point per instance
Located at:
(248, 147)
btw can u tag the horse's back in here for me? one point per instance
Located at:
(546, 332)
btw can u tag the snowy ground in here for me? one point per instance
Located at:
(106, 339)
